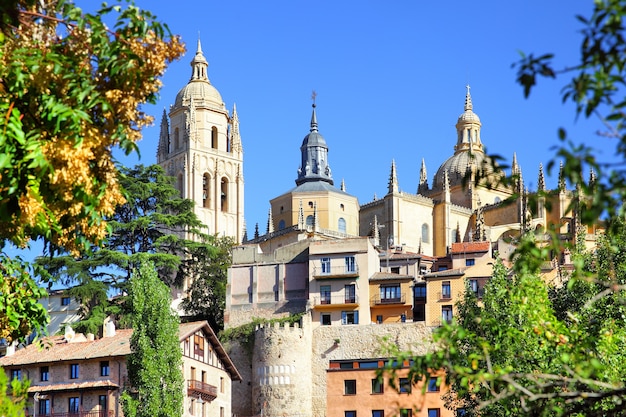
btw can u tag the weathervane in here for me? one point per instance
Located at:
(313, 96)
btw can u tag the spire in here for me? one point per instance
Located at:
(541, 181)
(245, 233)
(393, 178)
(592, 178)
(235, 137)
(270, 224)
(561, 177)
(301, 217)
(423, 184)
(164, 139)
(468, 99)
(314, 165)
(199, 65)
(514, 165)
(256, 231)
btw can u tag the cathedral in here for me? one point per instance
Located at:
(354, 273)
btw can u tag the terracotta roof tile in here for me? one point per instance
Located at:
(465, 247)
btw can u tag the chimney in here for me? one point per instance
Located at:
(90, 337)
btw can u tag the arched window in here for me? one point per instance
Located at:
(180, 185)
(425, 233)
(176, 139)
(342, 225)
(206, 191)
(214, 137)
(281, 225)
(309, 220)
(453, 236)
(224, 194)
(497, 200)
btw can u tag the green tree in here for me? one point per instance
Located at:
(155, 222)
(208, 264)
(155, 364)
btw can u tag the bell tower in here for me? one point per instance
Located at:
(200, 146)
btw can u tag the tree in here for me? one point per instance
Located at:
(155, 364)
(155, 222)
(70, 90)
(559, 351)
(208, 264)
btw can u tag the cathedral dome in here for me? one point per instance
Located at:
(202, 93)
(468, 116)
(459, 166)
(199, 88)
(314, 139)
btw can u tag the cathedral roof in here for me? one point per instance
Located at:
(199, 88)
(314, 166)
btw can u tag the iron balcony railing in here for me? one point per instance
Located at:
(335, 300)
(378, 300)
(336, 271)
(109, 413)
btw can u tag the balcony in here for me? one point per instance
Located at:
(330, 302)
(378, 301)
(201, 389)
(341, 271)
(109, 413)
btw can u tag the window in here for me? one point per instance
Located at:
(73, 405)
(310, 220)
(44, 407)
(419, 312)
(473, 283)
(16, 374)
(74, 371)
(378, 413)
(349, 317)
(224, 194)
(390, 293)
(453, 236)
(104, 368)
(349, 386)
(446, 313)
(419, 292)
(349, 414)
(102, 402)
(445, 289)
(341, 226)
(470, 262)
(325, 318)
(432, 385)
(377, 386)
(368, 365)
(350, 294)
(176, 139)
(281, 225)
(425, 234)
(460, 412)
(325, 265)
(221, 383)
(324, 294)
(206, 191)
(65, 301)
(406, 412)
(405, 385)
(379, 319)
(433, 412)
(395, 270)
(350, 264)
(214, 137)
(198, 345)
(221, 411)
(44, 373)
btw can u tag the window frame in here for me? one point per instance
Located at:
(73, 405)
(44, 373)
(432, 384)
(74, 371)
(349, 387)
(105, 368)
(378, 386)
(325, 294)
(446, 290)
(350, 263)
(345, 317)
(404, 385)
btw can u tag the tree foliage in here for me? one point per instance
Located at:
(155, 364)
(71, 89)
(157, 224)
(534, 350)
(12, 405)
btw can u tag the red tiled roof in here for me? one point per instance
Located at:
(465, 247)
(56, 348)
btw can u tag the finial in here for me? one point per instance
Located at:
(393, 178)
(541, 182)
(561, 177)
(199, 48)
(314, 115)
(343, 185)
(468, 99)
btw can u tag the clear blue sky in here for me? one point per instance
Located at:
(390, 79)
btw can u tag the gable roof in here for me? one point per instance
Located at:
(57, 349)
(187, 329)
(470, 247)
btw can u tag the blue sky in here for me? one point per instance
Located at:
(390, 80)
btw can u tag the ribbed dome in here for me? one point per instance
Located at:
(469, 116)
(203, 94)
(314, 139)
(459, 165)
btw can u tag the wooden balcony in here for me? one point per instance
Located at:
(201, 389)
